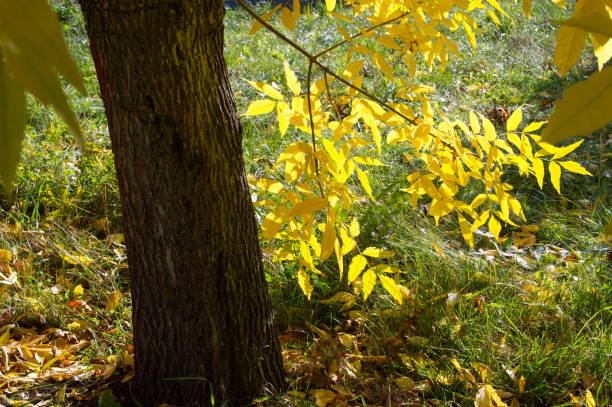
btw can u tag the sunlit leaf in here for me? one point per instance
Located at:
(329, 236)
(309, 206)
(494, 227)
(538, 169)
(267, 89)
(260, 107)
(365, 183)
(570, 42)
(514, 120)
(390, 285)
(555, 175)
(304, 282)
(368, 281)
(598, 23)
(292, 81)
(113, 301)
(356, 267)
(574, 167)
(376, 252)
(288, 19)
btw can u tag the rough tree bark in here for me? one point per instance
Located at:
(202, 317)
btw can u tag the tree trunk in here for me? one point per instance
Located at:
(202, 318)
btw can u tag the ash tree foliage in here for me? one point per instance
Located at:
(310, 199)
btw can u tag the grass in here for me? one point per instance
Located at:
(542, 313)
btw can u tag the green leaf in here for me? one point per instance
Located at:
(584, 108)
(12, 124)
(107, 399)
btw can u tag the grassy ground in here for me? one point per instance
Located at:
(534, 322)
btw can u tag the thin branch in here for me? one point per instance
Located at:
(325, 69)
(312, 130)
(333, 47)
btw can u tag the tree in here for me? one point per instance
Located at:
(203, 322)
(202, 319)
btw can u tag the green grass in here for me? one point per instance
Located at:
(544, 310)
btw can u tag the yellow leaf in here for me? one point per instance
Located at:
(348, 244)
(356, 267)
(6, 335)
(265, 17)
(570, 42)
(288, 19)
(368, 281)
(296, 9)
(390, 285)
(574, 167)
(12, 124)
(271, 224)
(589, 400)
(520, 385)
(597, 23)
(323, 397)
(113, 301)
(329, 236)
(562, 152)
(381, 64)
(353, 69)
(376, 252)
(5, 256)
(538, 169)
(584, 108)
(365, 183)
(527, 7)
(474, 122)
(306, 254)
(330, 4)
(602, 48)
(304, 282)
(494, 227)
(339, 256)
(470, 34)
(514, 120)
(260, 107)
(535, 126)
(78, 292)
(466, 230)
(555, 175)
(308, 206)
(78, 325)
(354, 228)
(340, 297)
(292, 81)
(268, 90)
